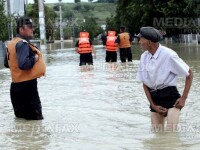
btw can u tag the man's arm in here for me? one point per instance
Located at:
(180, 103)
(131, 38)
(76, 46)
(146, 90)
(26, 58)
(93, 49)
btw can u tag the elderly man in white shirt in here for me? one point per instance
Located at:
(158, 70)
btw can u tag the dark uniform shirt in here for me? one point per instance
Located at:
(25, 56)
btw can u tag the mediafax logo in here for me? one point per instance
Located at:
(186, 24)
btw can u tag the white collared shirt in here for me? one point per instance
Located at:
(161, 69)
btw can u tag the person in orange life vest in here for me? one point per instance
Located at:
(85, 48)
(124, 40)
(111, 47)
(26, 65)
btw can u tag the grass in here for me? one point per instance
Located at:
(100, 11)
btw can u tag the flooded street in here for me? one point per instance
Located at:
(100, 109)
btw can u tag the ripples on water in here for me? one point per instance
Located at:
(101, 109)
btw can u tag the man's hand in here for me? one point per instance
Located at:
(95, 56)
(161, 110)
(180, 103)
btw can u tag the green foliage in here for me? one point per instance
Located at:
(68, 32)
(137, 13)
(77, 1)
(83, 7)
(78, 7)
(67, 14)
(111, 23)
(91, 27)
(50, 17)
(106, 1)
(3, 23)
(95, 15)
(56, 7)
(88, 7)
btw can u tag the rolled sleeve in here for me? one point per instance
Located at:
(26, 58)
(179, 67)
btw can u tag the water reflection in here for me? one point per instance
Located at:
(164, 141)
(26, 135)
(100, 108)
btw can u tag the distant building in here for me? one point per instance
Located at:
(103, 27)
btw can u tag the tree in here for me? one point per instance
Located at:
(67, 14)
(56, 7)
(77, 1)
(111, 23)
(91, 26)
(78, 7)
(50, 17)
(106, 1)
(137, 13)
(3, 23)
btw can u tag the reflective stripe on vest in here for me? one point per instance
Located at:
(84, 45)
(110, 43)
(124, 40)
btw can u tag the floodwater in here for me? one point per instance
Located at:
(104, 108)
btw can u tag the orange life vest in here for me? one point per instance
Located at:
(124, 40)
(110, 42)
(19, 75)
(84, 43)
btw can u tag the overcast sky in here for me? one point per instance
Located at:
(56, 1)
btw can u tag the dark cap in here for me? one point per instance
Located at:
(24, 21)
(150, 33)
(122, 27)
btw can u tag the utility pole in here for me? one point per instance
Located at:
(61, 28)
(42, 24)
(25, 7)
(10, 24)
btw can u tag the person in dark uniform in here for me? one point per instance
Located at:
(103, 38)
(26, 65)
(158, 70)
(85, 48)
(124, 40)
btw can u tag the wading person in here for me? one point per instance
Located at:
(124, 40)
(111, 47)
(85, 48)
(26, 65)
(158, 70)
(103, 38)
